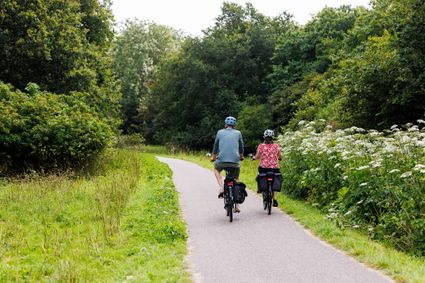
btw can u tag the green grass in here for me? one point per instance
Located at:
(398, 265)
(122, 224)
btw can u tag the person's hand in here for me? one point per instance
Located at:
(241, 157)
(213, 157)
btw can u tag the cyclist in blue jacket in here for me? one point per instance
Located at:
(227, 152)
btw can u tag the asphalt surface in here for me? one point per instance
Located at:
(256, 247)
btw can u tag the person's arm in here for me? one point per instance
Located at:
(258, 154)
(241, 147)
(215, 149)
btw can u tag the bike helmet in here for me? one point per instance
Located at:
(230, 121)
(268, 134)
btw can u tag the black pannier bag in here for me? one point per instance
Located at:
(277, 182)
(239, 192)
(262, 182)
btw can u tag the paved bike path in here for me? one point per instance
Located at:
(256, 247)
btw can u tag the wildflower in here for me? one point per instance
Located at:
(359, 202)
(406, 174)
(337, 165)
(362, 168)
(363, 184)
(421, 143)
(419, 167)
(302, 122)
(355, 226)
(420, 121)
(413, 128)
(394, 171)
(393, 127)
(375, 163)
(347, 213)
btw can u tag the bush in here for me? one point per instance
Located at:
(365, 179)
(45, 130)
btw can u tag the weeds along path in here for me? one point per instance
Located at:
(256, 247)
(120, 224)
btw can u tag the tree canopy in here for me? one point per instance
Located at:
(59, 99)
(346, 66)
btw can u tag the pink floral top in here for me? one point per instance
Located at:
(269, 154)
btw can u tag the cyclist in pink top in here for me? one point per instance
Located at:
(269, 154)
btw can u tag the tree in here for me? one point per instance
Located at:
(62, 46)
(253, 120)
(300, 51)
(213, 76)
(137, 51)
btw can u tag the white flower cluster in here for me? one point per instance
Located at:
(399, 151)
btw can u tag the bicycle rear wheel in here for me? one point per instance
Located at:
(230, 212)
(269, 201)
(264, 200)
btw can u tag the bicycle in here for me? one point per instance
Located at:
(229, 204)
(268, 194)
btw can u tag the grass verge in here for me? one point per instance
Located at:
(400, 266)
(122, 224)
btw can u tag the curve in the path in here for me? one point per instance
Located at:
(256, 247)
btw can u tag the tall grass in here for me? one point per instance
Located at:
(103, 228)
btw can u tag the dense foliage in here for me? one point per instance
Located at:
(62, 48)
(136, 51)
(41, 129)
(368, 179)
(375, 73)
(214, 76)
(349, 66)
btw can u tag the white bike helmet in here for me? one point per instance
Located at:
(268, 134)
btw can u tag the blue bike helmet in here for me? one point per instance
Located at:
(230, 121)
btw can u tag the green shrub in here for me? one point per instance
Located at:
(366, 179)
(45, 130)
